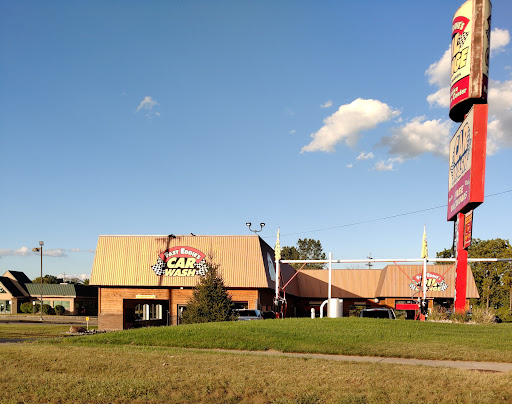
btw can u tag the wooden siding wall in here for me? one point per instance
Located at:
(110, 307)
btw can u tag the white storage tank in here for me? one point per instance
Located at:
(335, 308)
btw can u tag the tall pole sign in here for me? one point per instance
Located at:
(471, 30)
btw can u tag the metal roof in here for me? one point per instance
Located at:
(49, 289)
(128, 261)
(392, 281)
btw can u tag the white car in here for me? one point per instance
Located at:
(249, 314)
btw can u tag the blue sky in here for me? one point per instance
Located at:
(326, 119)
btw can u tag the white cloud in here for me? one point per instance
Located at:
(292, 131)
(57, 252)
(27, 252)
(350, 165)
(500, 116)
(365, 156)
(147, 104)
(439, 72)
(499, 39)
(22, 251)
(419, 136)
(326, 104)
(347, 123)
(387, 165)
(74, 276)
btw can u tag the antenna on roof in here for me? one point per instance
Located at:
(370, 265)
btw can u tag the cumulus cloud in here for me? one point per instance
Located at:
(347, 123)
(350, 165)
(147, 103)
(74, 276)
(387, 165)
(499, 129)
(27, 252)
(499, 39)
(292, 131)
(326, 104)
(419, 136)
(365, 156)
(22, 251)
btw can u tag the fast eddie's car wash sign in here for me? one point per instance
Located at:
(435, 282)
(467, 163)
(180, 261)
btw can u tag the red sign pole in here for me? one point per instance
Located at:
(461, 272)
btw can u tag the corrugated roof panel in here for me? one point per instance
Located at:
(346, 283)
(398, 279)
(49, 289)
(128, 260)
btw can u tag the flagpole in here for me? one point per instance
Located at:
(277, 256)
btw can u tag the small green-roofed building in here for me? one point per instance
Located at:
(16, 289)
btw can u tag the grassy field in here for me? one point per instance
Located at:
(348, 336)
(29, 330)
(49, 373)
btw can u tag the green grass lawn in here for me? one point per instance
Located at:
(50, 373)
(33, 330)
(347, 336)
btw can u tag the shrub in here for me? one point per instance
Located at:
(59, 310)
(210, 301)
(439, 313)
(459, 317)
(47, 309)
(26, 307)
(482, 315)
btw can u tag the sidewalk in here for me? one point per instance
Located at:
(481, 366)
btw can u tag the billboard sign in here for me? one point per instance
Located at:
(466, 178)
(471, 30)
(468, 229)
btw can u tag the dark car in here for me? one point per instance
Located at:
(248, 314)
(378, 313)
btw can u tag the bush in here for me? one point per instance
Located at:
(459, 317)
(47, 309)
(439, 313)
(482, 315)
(210, 301)
(59, 310)
(26, 307)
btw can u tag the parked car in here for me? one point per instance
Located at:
(378, 313)
(248, 314)
(268, 315)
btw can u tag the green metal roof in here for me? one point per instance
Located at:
(49, 289)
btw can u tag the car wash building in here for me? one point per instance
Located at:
(148, 280)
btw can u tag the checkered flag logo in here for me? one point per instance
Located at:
(160, 266)
(201, 268)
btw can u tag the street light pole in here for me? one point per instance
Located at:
(40, 249)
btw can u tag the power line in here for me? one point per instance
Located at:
(384, 218)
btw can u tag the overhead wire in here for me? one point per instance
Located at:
(382, 218)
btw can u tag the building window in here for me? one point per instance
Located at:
(144, 312)
(241, 305)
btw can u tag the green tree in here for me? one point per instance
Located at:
(493, 279)
(210, 301)
(307, 249)
(48, 279)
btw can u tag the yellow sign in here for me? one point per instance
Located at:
(145, 296)
(87, 319)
